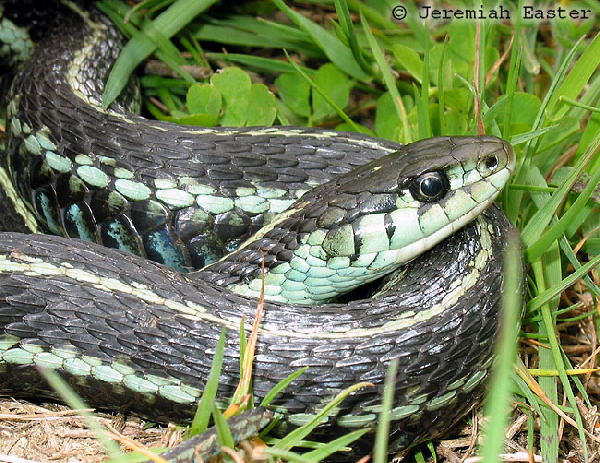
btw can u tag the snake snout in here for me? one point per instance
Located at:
(495, 155)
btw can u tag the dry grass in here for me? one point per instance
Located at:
(54, 433)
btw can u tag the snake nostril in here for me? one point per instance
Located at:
(491, 162)
(488, 165)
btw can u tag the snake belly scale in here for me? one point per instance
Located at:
(337, 210)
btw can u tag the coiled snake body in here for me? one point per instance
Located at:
(134, 334)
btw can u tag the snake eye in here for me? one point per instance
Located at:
(429, 187)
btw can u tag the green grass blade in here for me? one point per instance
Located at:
(280, 386)
(285, 455)
(294, 437)
(543, 297)
(380, 450)
(389, 80)
(577, 78)
(341, 7)
(243, 344)
(223, 431)
(334, 446)
(258, 62)
(140, 46)
(441, 107)
(543, 216)
(334, 49)
(525, 137)
(423, 99)
(554, 232)
(203, 412)
(496, 406)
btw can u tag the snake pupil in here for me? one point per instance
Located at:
(429, 187)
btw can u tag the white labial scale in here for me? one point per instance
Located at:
(482, 191)
(499, 179)
(459, 202)
(471, 177)
(407, 229)
(373, 237)
(432, 220)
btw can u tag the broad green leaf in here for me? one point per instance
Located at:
(294, 91)
(334, 84)
(345, 127)
(200, 119)
(261, 106)
(234, 85)
(204, 99)
(409, 59)
(461, 46)
(459, 100)
(387, 122)
(326, 97)
(455, 122)
(524, 108)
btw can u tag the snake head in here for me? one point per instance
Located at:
(407, 202)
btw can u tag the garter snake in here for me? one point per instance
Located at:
(337, 209)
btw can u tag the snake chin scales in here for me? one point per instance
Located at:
(164, 230)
